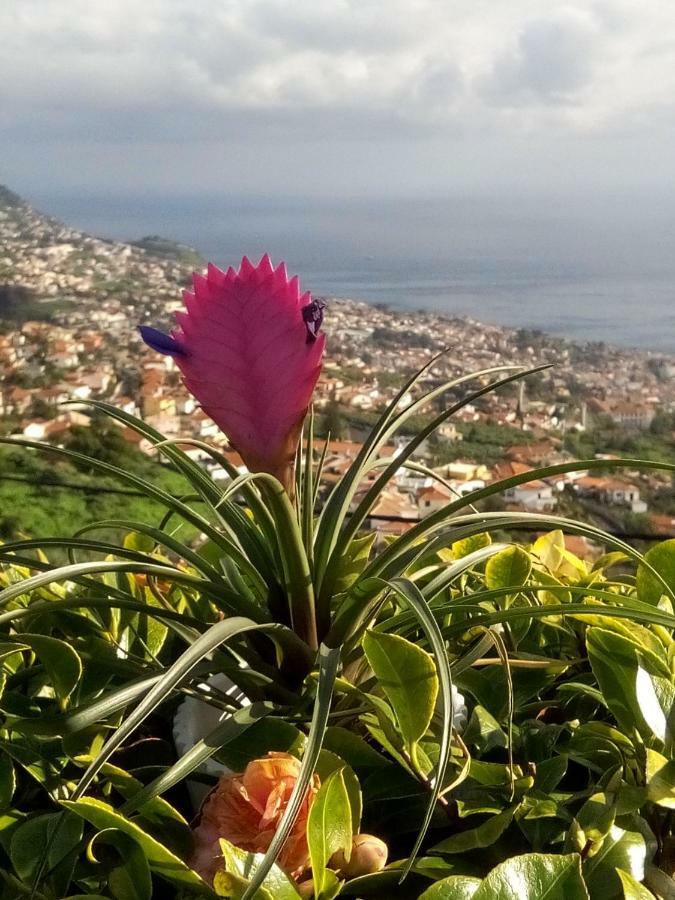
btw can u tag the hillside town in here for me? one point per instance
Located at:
(69, 332)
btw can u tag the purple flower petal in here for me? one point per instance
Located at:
(162, 343)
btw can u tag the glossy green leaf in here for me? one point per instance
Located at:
(40, 843)
(632, 889)
(161, 860)
(662, 558)
(354, 561)
(483, 731)
(593, 823)
(407, 675)
(8, 649)
(350, 747)
(62, 663)
(465, 546)
(129, 877)
(455, 887)
(621, 849)
(549, 548)
(143, 543)
(239, 867)
(7, 780)
(535, 876)
(329, 827)
(660, 773)
(550, 772)
(328, 763)
(257, 738)
(483, 835)
(656, 698)
(329, 660)
(509, 568)
(614, 661)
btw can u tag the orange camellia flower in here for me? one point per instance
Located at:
(246, 809)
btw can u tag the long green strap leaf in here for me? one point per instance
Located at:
(486, 522)
(208, 642)
(233, 727)
(239, 528)
(357, 518)
(440, 517)
(71, 572)
(564, 609)
(329, 661)
(412, 596)
(337, 506)
(161, 497)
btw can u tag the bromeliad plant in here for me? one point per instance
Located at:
(349, 656)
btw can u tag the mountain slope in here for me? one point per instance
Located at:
(43, 261)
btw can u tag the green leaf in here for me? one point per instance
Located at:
(129, 878)
(535, 876)
(161, 860)
(621, 849)
(47, 839)
(484, 731)
(408, 677)
(142, 543)
(662, 558)
(660, 779)
(469, 545)
(241, 723)
(257, 739)
(154, 809)
(353, 749)
(483, 835)
(327, 764)
(62, 663)
(7, 780)
(329, 827)
(656, 699)
(614, 661)
(509, 568)
(632, 889)
(329, 660)
(550, 549)
(593, 822)
(549, 773)
(204, 645)
(353, 562)
(456, 887)
(276, 884)
(8, 649)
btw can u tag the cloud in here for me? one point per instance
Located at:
(455, 78)
(552, 62)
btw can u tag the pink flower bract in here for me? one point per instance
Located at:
(249, 351)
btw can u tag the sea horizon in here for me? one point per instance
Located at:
(587, 272)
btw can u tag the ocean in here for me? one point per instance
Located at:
(597, 270)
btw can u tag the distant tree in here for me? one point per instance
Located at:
(334, 421)
(663, 424)
(40, 409)
(103, 441)
(10, 526)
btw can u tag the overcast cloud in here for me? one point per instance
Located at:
(336, 96)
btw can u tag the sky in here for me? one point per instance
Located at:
(337, 97)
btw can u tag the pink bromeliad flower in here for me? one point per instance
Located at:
(249, 349)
